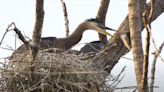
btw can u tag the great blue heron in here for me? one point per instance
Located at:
(67, 42)
(95, 46)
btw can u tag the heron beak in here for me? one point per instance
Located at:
(97, 27)
(102, 31)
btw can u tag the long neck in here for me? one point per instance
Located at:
(76, 36)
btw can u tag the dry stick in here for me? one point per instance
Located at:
(146, 55)
(17, 31)
(157, 52)
(151, 9)
(7, 30)
(144, 82)
(65, 17)
(117, 80)
(155, 46)
(161, 58)
(21, 37)
(132, 87)
(15, 40)
(7, 48)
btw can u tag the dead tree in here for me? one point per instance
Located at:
(36, 37)
(110, 56)
(136, 38)
(101, 17)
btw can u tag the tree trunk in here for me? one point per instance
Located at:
(136, 39)
(101, 17)
(109, 57)
(38, 27)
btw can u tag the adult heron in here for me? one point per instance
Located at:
(69, 41)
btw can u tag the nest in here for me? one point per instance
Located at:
(52, 71)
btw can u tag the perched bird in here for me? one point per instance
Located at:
(69, 41)
(96, 46)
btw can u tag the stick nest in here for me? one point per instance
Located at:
(52, 71)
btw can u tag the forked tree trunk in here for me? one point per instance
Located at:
(110, 56)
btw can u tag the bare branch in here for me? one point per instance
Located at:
(21, 37)
(7, 30)
(144, 82)
(132, 87)
(38, 27)
(101, 16)
(65, 17)
(7, 48)
(156, 54)
(151, 9)
(116, 79)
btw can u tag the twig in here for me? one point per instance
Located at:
(156, 54)
(7, 30)
(7, 48)
(15, 42)
(156, 47)
(161, 58)
(117, 78)
(132, 87)
(65, 17)
(18, 32)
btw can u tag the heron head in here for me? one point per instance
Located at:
(98, 26)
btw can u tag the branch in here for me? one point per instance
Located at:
(151, 9)
(7, 30)
(101, 16)
(144, 82)
(21, 37)
(38, 27)
(65, 17)
(156, 54)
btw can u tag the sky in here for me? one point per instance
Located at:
(22, 12)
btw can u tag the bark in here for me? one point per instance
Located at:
(65, 18)
(136, 38)
(110, 56)
(156, 54)
(144, 82)
(101, 17)
(38, 27)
